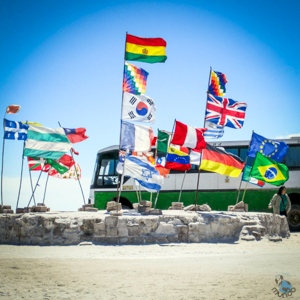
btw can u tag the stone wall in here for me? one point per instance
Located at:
(71, 228)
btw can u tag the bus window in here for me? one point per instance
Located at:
(234, 151)
(243, 153)
(292, 158)
(107, 172)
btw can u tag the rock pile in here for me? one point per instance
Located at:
(241, 206)
(6, 209)
(87, 207)
(172, 226)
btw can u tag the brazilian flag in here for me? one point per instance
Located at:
(268, 170)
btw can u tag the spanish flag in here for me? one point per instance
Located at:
(219, 161)
(150, 50)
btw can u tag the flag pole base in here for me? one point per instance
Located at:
(115, 213)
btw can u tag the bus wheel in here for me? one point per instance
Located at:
(294, 218)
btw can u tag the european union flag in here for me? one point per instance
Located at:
(15, 130)
(269, 148)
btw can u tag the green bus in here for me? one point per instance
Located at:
(218, 191)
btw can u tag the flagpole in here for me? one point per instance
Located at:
(35, 188)
(46, 187)
(3, 157)
(243, 172)
(76, 173)
(169, 142)
(21, 177)
(182, 186)
(198, 179)
(119, 182)
(31, 185)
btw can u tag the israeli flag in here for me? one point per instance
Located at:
(15, 130)
(144, 172)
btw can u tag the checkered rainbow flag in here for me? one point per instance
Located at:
(217, 84)
(134, 80)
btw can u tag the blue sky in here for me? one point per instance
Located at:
(62, 61)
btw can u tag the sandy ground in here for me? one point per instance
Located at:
(241, 270)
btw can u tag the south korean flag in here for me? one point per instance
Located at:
(138, 108)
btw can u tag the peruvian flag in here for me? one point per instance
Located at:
(189, 136)
(75, 135)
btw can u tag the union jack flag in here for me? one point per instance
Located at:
(225, 111)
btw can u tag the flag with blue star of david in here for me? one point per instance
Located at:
(144, 172)
(267, 147)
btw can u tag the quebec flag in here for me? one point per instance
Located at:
(144, 172)
(15, 130)
(138, 108)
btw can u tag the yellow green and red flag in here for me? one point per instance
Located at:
(150, 50)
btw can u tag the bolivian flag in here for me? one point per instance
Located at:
(150, 50)
(219, 161)
(268, 170)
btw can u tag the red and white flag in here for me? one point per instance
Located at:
(13, 109)
(189, 136)
(37, 163)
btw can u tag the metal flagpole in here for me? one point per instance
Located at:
(237, 199)
(46, 187)
(120, 180)
(31, 186)
(2, 158)
(169, 142)
(182, 186)
(21, 177)
(35, 188)
(76, 173)
(198, 179)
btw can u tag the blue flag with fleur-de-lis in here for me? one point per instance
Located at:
(15, 130)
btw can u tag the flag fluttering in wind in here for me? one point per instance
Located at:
(188, 136)
(163, 141)
(225, 112)
(46, 142)
(217, 84)
(144, 172)
(149, 50)
(252, 180)
(135, 79)
(213, 131)
(160, 167)
(178, 158)
(138, 108)
(38, 164)
(15, 130)
(268, 170)
(57, 166)
(136, 137)
(73, 169)
(75, 135)
(267, 147)
(219, 161)
(12, 109)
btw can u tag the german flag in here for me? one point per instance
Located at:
(149, 50)
(219, 161)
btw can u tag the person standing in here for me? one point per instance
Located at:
(280, 202)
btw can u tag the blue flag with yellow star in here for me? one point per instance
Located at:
(268, 148)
